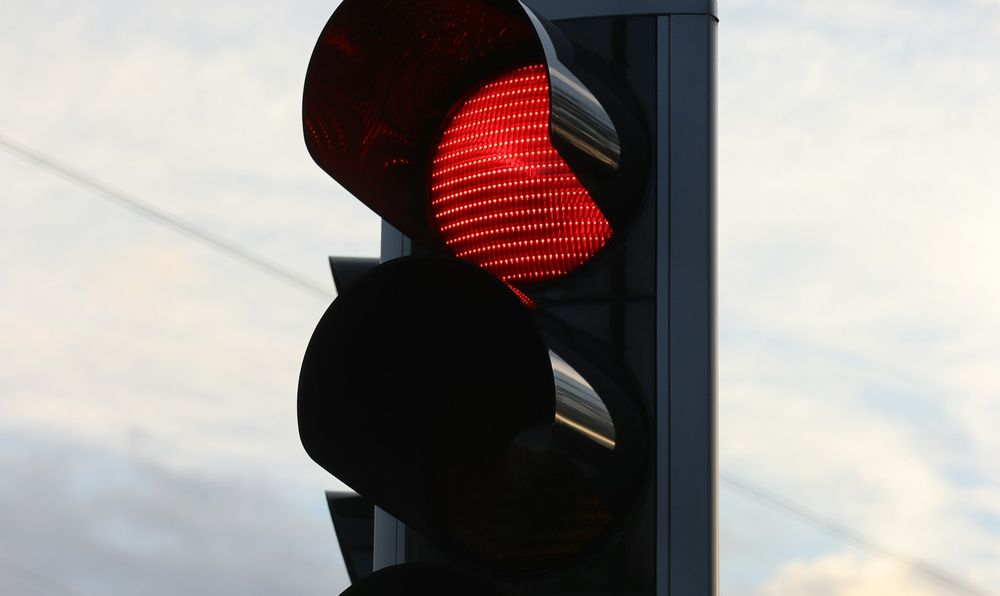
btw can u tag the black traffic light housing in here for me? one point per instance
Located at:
(428, 388)
(433, 391)
(386, 73)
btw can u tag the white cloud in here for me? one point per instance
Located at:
(845, 574)
(858, 177)
(110, 522)
(160, 372)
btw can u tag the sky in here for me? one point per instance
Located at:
(147, 384)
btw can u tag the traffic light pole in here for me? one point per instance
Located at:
(687, 561)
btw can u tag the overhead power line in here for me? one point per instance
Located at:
(847, 535)
(153, 213)
(37, 580)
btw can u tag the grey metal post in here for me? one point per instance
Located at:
(686, 333)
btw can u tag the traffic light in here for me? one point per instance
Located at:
(525, 384)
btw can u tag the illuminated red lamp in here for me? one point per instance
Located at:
(501, 196)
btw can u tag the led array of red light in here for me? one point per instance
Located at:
(501, 196)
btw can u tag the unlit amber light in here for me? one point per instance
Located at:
(501, 196)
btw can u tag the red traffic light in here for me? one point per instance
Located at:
(502, 196)
(509, 441)
(420, 110)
